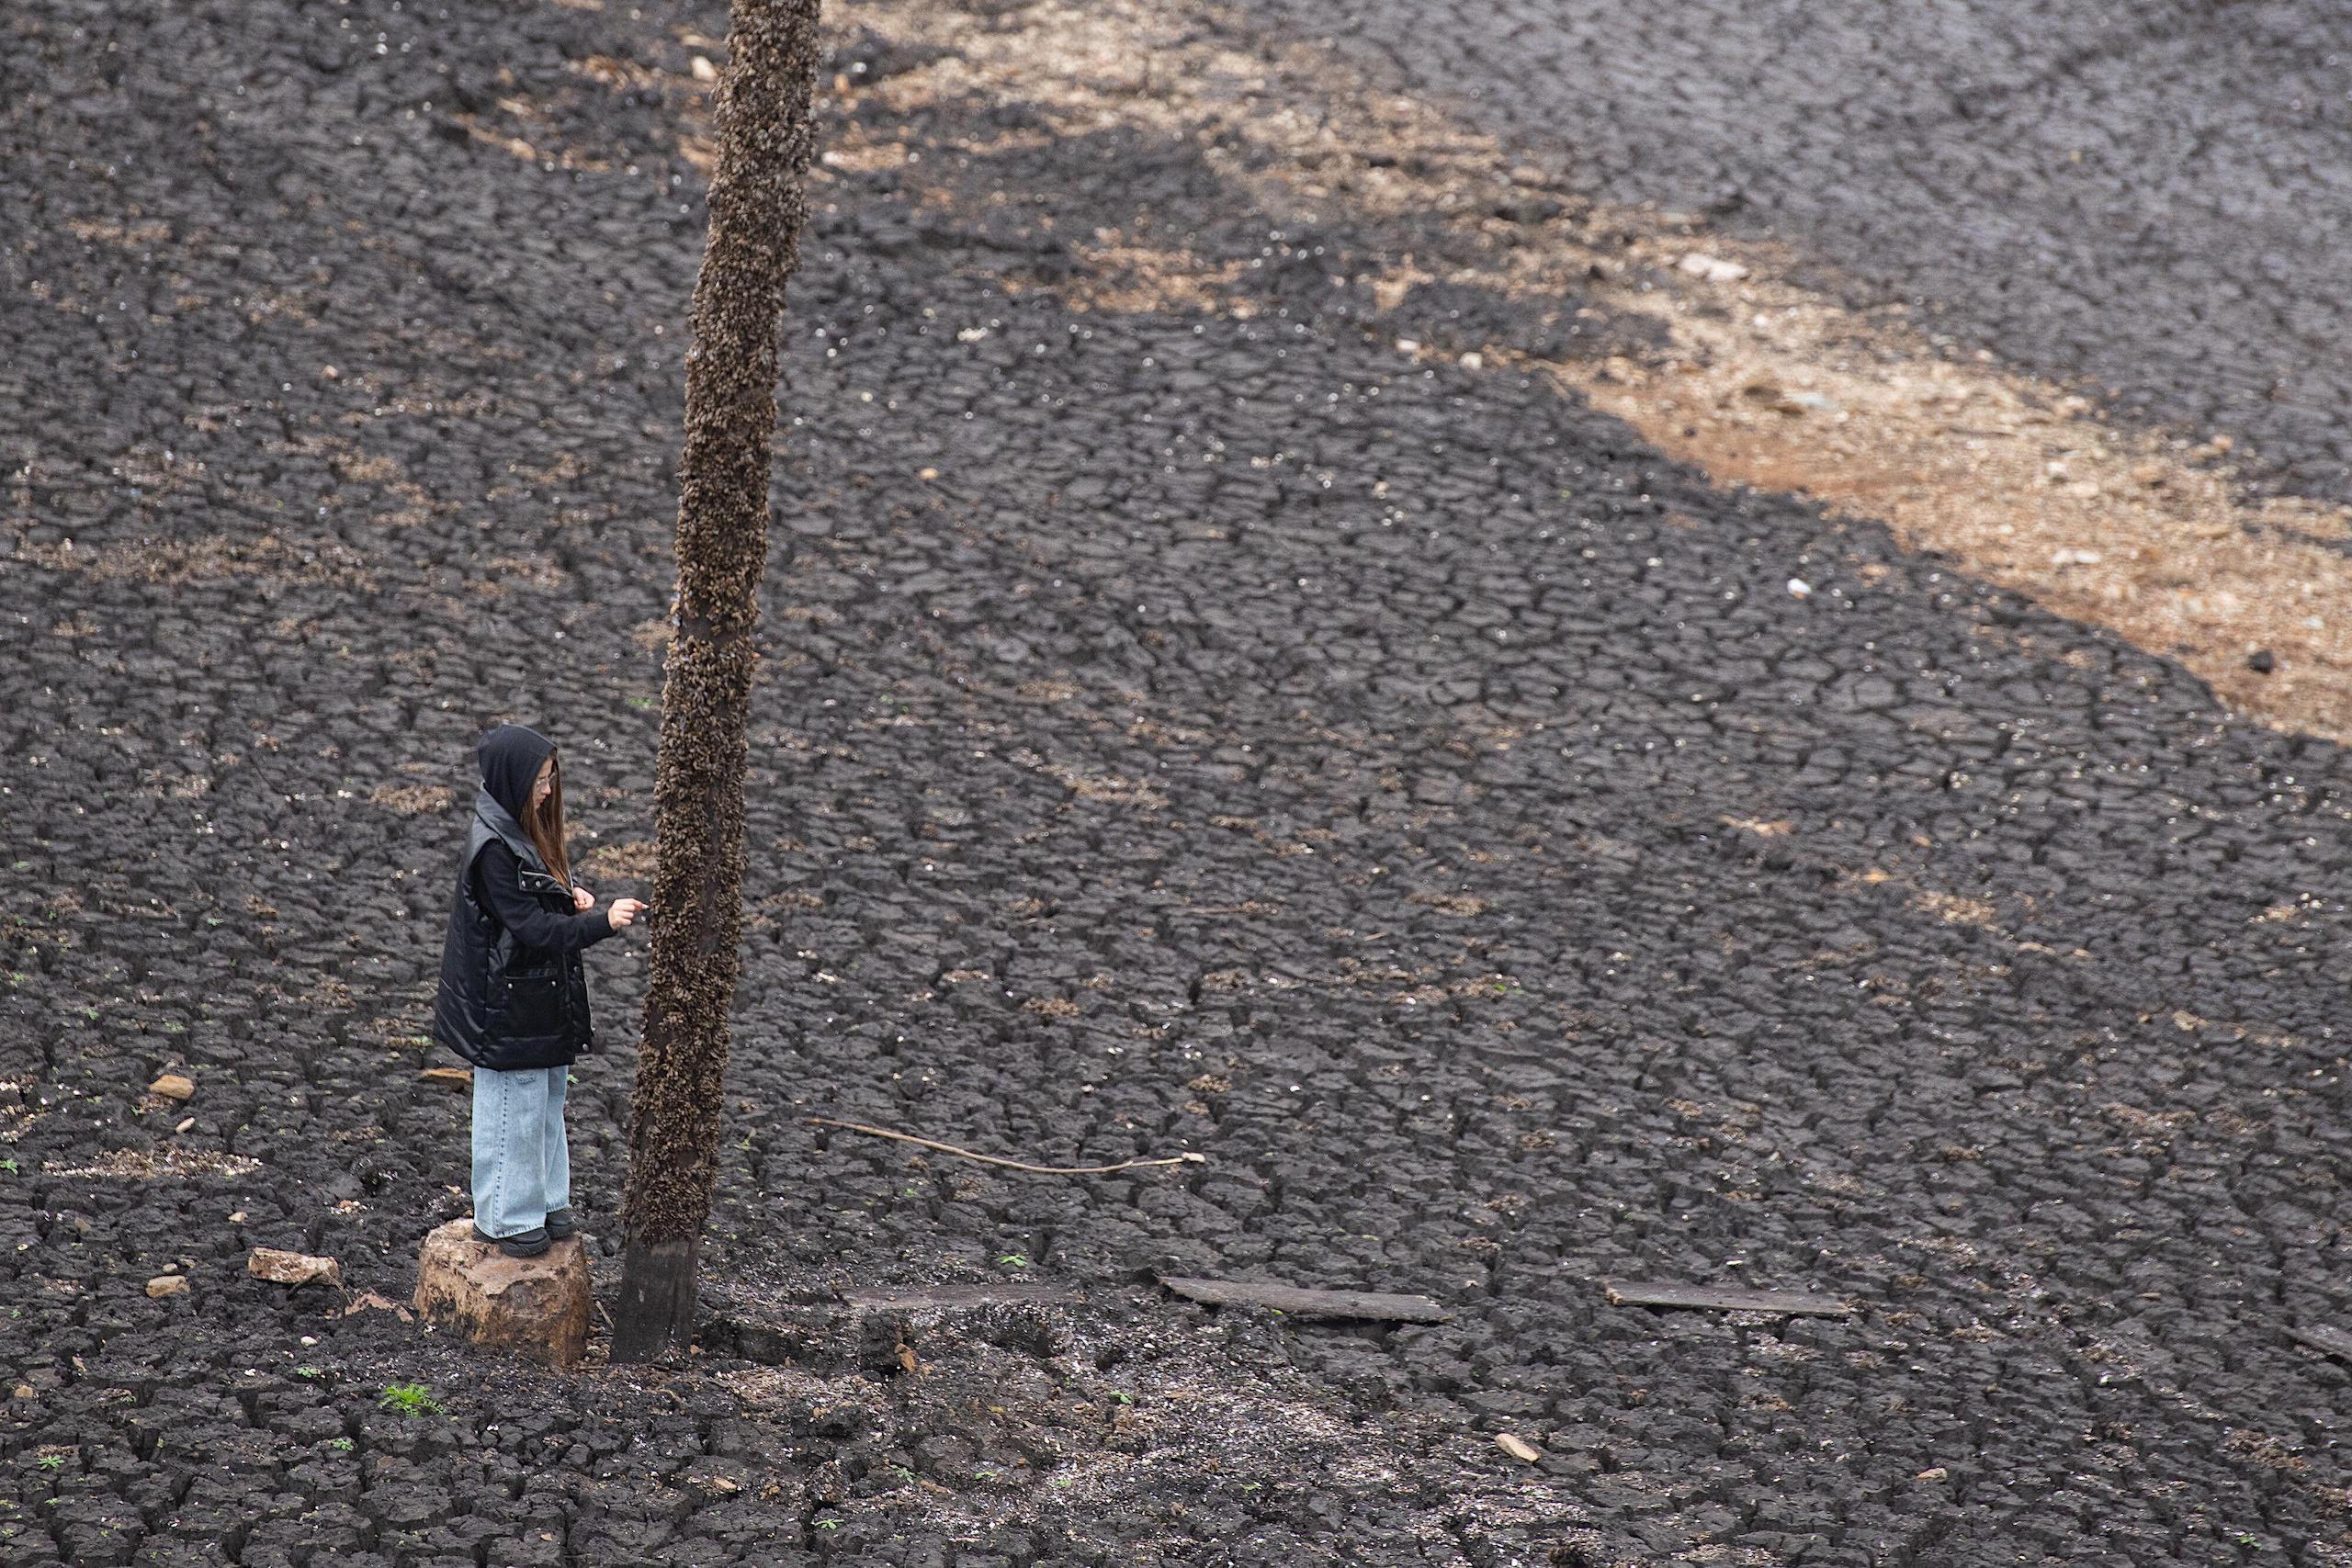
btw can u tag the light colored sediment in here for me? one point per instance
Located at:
(2147, 533)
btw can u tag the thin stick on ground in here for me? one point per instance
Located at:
(1007, 1163)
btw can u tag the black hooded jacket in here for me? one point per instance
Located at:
(514, 993)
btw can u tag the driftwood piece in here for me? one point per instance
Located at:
(1371, 1305)
(2320, 1336)
(1708, 1298)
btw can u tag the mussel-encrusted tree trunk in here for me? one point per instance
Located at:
(758, 201)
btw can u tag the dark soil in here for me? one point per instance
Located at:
(1179, 731)
(2143, 200)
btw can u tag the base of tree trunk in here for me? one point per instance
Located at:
(657, 1306)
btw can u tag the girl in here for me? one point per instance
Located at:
(514, 997)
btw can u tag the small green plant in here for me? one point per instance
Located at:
(307, 1372)
(412, 1399)
(829, 1524)
(1123, 1396)
(1013, 1260)
(53, 1462)
(341, 1445)
(9, 1165)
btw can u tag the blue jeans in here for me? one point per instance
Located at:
(522, 1163)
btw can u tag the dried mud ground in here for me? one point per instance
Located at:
(1191, 723)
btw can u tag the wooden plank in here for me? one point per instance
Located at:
(1709, 1298)
(952, 1298)
(2320, 1336)
(1370, 1305)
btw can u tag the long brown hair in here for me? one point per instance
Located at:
(544, 824)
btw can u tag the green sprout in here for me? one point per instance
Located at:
(412, 1399)
(1013, 1260)
(341, 1445)
(53, 1462)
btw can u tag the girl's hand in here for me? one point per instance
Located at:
(622, 912)
(581, 900)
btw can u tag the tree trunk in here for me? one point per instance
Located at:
(758, 200)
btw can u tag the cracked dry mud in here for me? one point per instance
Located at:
(1191, 721)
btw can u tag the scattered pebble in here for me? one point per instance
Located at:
(2262, 662)
(173, 1086)
(1518, 1447)
(293, 1267)
(164, 1285)
(1715, 269)
(1800, 589)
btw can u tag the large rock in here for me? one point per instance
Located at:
(536, 1305)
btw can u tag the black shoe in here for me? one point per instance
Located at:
(561, 1225)
(529, 1244)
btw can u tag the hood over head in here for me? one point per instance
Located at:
(510, 757)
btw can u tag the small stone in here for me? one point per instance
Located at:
(2262, 662)
(1800, 589)
(164, 1285)
(1934, 1472)
(1518, 1448)
(2075, 557)
(451, 1077)
(184, 1124)
(24, 1391)
(536, 1305)
(704, 70)
(1715, 269)
(281, 1268)
(1529, 209)
(1474, 360)
(371, 1302)
(238, 1218)
(173, 1086)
